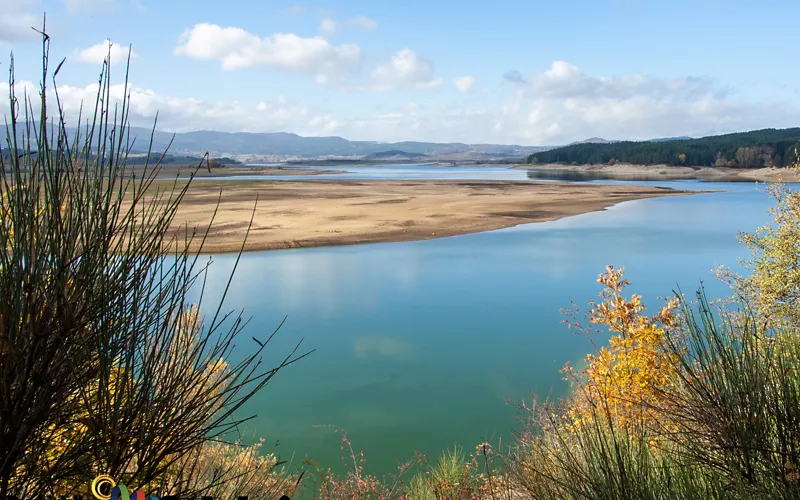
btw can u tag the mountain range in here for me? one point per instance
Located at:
(283, 145)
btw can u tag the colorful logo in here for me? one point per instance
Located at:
(105, 488)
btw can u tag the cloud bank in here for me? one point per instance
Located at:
(556, 106)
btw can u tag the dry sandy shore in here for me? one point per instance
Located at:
(292, 214)
(666, 172)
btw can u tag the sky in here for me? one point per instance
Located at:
(527, 72)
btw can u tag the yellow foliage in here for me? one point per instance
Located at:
(233, 469)
(773, 285)
(61, 440)
(187, 326)
(628, 379)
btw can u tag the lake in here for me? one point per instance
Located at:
(420, 345)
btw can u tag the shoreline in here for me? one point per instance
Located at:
(315, 213)
(629, 171)
(170, 172)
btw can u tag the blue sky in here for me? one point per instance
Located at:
(523, 71)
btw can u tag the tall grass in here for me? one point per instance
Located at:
(104, 366)
(737, 410)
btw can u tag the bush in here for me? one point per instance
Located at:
(707, 408)
(104, 366)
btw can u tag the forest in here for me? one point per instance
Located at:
(755, 149)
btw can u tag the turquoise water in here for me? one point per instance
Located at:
(421, 345)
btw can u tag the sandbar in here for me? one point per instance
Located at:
(669, 172)
(312, 213)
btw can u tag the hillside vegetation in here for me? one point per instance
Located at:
(756, 149)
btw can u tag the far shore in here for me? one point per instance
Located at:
(622, 171)
(169, 171)
(667, 172)
(313, 213)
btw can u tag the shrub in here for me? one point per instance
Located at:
(104, 366)
(772, 285)
(725, 425)
(629, 377)
(356, 483)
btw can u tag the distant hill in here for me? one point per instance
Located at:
(593, 140)
(282, 144)
(395, 155)
(759, 148)
(287, 146)
(139, 159)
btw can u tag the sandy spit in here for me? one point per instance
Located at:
(295, 214)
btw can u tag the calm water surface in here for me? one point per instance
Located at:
(419, 345)
(399, 171)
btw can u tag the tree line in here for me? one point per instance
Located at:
(755, 149)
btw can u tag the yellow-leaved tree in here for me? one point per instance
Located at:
(772, 283)
(627, 379)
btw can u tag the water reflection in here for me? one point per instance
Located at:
(573, 176)
(393, 172)
(589, 176)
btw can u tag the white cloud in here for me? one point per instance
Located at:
(98, 53)
(464, 83)
(407, 69)
(563, 80)
(535, 123)
(528, 114)
(235, 48)
(17, 19)
(328, 27)
(76, 6)
(183, 114)
(563, 104)
(323, 125)
(364, 23)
